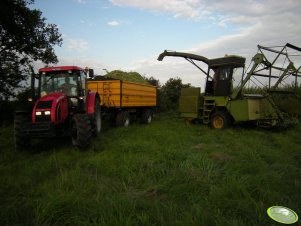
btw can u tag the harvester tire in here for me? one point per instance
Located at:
(21, 140)
(81, 131)
(147, 116)
(96, 122)
(123, 119)
(220, 120)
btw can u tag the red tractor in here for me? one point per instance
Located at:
(61, 107)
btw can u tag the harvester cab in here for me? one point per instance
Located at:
(219, 72)
(220, 75)
(221, 104)
(63, 107)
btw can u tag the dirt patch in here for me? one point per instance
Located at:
(202, 145)
(151, 193)
(198, 146)
(221, 157)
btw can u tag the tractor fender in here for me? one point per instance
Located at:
(90, 102)
(219, 109)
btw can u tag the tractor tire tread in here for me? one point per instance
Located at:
(83, 131)
(226, 119)
(146, 116)
(121, 118)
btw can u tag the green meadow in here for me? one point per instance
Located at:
(165, 173)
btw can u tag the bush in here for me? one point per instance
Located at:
(7, 109)
(169, 94)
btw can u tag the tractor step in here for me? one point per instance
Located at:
(207, 109)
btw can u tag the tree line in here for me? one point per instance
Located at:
(25, 37)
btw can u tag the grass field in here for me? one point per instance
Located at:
(166, 173)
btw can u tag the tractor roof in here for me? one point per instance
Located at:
(235, 61)
(62, 68)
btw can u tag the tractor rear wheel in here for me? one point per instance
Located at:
(81, 131)
(146, 116)
(21, 140)
(96, 120)
(123, 119)
(220, 120)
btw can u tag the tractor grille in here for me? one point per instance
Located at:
(38, 130)
(44, 104)
(43, 118)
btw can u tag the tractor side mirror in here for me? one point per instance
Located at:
(91, 73)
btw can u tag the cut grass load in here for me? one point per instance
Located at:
(165, 173)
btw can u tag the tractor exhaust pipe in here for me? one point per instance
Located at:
(32, 84)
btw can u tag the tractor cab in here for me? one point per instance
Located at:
(69, 80)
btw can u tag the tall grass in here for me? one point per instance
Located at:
(166, 173)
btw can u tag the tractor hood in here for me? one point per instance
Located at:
(52, 96)
(50, 108)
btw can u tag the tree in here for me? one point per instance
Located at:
(24, 37)
(170, 92)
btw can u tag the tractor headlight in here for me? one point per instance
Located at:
(47, 112)
(38, 113)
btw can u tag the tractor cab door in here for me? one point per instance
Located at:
(82, 83)
(222, 81)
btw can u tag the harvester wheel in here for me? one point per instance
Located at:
(123, 119)
(96, 120)
(81, 131)
(220, 120)
(147, 116)
(21, 140)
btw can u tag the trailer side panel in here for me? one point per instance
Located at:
(117, 93)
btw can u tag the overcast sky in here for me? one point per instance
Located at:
(130, 34)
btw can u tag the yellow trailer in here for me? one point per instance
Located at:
(123, 98)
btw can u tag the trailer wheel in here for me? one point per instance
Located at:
(21, 140)
(81, 131)
(220, 120)
(96, 120)
(123, 119)
(147, 116)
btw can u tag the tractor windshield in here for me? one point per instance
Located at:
(59, 81)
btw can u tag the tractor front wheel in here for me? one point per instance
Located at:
(81, 131)
(220, 120)
(21, 140)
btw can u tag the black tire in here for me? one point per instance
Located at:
(81, 131)
(123, 119)
(220, 120)
(22, 142)
(96, 121)
(147, 116)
